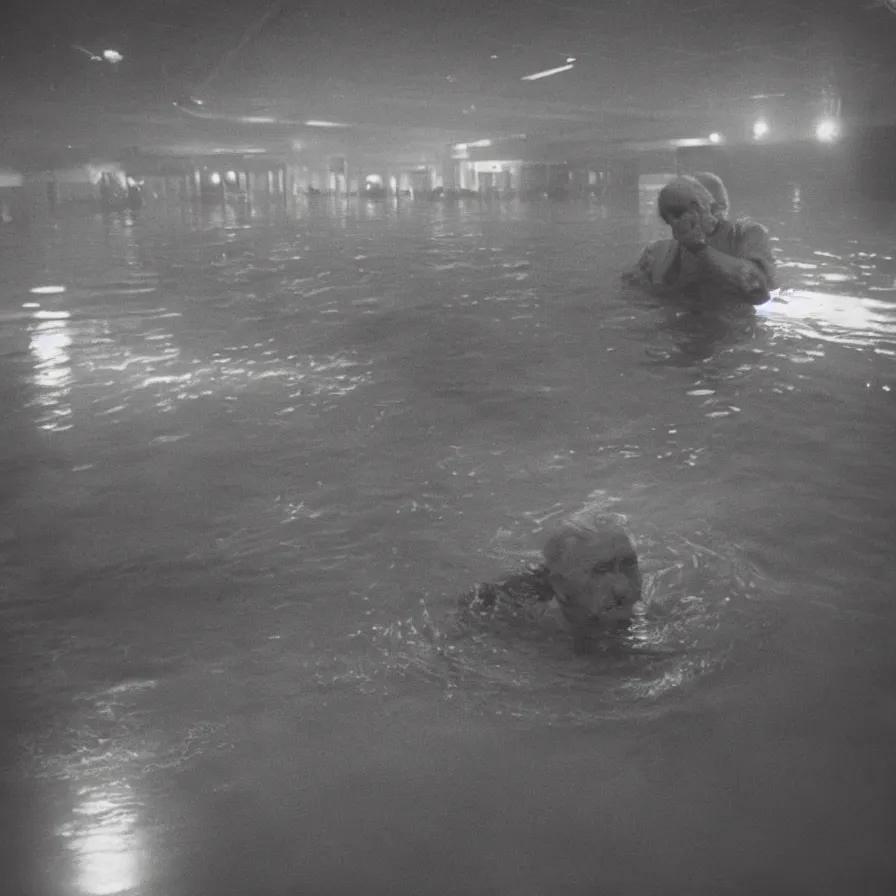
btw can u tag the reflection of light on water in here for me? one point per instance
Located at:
(773, 294)
(122, 359)
(870, 317)
(50, 344)
(322, 376)
(319, 380)
(46, 290)
(105, 841)
(802, 265)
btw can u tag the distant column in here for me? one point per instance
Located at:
(338, 174)
(622, 178)
(450, 168)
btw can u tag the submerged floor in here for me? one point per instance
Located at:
(249, 460)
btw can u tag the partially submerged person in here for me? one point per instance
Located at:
(591, 570)
(708, 252)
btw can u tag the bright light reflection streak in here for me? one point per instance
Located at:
(319, 123)
(866, 317)
(105, 842)
(547, 73)
(691, 141)
(231, 375)
(46, 290)
(50, 343)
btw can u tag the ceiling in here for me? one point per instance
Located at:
(411, 77)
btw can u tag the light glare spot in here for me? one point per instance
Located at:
(827, 130)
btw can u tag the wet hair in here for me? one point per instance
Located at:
(714, 184)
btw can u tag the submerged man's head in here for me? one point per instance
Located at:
(593, 569)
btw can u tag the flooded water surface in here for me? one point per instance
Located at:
(249, 462)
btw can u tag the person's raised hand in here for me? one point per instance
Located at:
(688, 232)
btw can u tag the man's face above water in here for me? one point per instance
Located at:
(680, 198)
(596, 579)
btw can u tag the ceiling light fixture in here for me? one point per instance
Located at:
(317, 123)
(546, 74)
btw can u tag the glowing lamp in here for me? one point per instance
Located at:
(760, 128)
(215, 178)
(715, 137)
(827, 130)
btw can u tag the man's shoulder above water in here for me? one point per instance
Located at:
(664, 263)
(747, 239)
(732, 231)
(733, 235)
